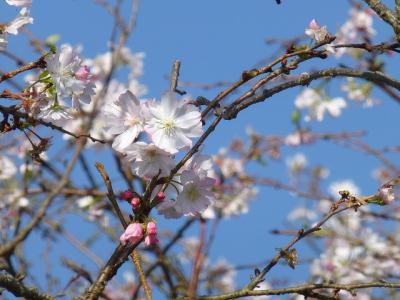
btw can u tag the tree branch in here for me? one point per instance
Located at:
(376, 77)
(18, 289)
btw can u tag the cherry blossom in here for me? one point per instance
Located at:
(319, 34)
(65, 69)
(317, 105)
(172, 123)
(148, 160)
(125, 119)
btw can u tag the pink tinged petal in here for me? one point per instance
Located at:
(17, 23)
(189, 120)
(128, 97)
(66, 56)
(83, 73)
(169, 104)
(313, 25)
(163, 141)
(125, 139)
(19, 2)
(181, 140)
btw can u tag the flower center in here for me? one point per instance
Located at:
(134, 121)
(169, 126)
(151, 154)
(192, 193)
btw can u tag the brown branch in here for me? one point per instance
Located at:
(305, 289)
(174, 77)
(385, 13)
(18, 289)
(110, 194)
(376, 77)
(40, 63)
(18, 114)
(119, 256)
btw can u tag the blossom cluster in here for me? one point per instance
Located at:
(65, 77)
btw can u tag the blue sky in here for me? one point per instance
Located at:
(216, 41)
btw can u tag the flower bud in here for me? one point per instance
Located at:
(135, 203)
(160, 196)
(151, 228)
(133, 234)
(150, 240)
(127, 195)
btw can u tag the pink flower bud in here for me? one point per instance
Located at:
(150, 240)
(133, 233)
(151, 228)
(83, 73)
(127, 195)
(160, 196)
(135, 202)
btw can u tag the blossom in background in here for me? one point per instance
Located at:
(317, 105)
(148, 160)
(125, 119)
(296, 163)
(299, 137)
(360, 92)
(221, 276)
(70, 77)
(228, 166)
(173, 123)
(302, 213)
(344, 185)
(232, 202)
(22, 19)
(132, 234)
(15, 25)
(356, 29)
(386, 192)
(319, 34)
(7, 168)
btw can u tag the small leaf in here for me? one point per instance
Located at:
(53, 39)
(290, 256)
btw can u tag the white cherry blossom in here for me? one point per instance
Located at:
(149, 160)
(316, 32)
(317, 105)
(125, 119)
(173, 123)
(71, 78)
